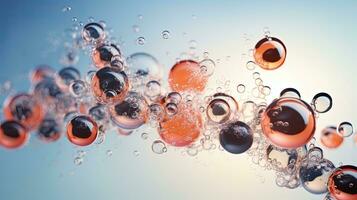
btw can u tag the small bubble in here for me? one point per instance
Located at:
(193, 44)
(136, 153)
(140, 17)
(256, 75)
(165, 34)
(66, 8)
(109, 153)
(74, 19)
(240, 88)
(78, 160)
(322, 102)
(345, 129)
(250, 65)
(140, 40)
(158, 147)
(136, 28)
(144, 136)
(290, 92)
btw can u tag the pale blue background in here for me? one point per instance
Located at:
(321, 40)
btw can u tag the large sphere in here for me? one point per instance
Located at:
(288, 122)
(342, 183)
(236, 137)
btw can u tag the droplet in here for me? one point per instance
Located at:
(66, 8)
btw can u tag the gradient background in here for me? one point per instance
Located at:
(321, 40)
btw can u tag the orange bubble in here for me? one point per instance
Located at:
(183, 128)
(342, 183)
(288, 122)
(330, 138)
(24, 109)
(186, 75)
(103, 55)
(82, 130)
(41, 72)
(270, 53)
(12, 135)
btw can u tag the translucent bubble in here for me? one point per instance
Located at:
(270, 53)
(342, 183)
(266, 90)
(93, 32)
(153, 89)
(78, 160)
(345, 129)
(158, 147)
(41, 72)
(82, 130)
(315, 154)
(109, 153)
(66, 8)
(288, 122)
(99, 113)
(130, 113)
(290, 92)
(66, 76)
(136, 28)
(140, 40)
(281, 159)
(251, 65)
(236, 137)
(322, 102)
(218, 111)
(109, 85)
(185, 75)
(143, 65)
(165, 34)
(183, 128)
(78, 88)
(207, 67)
(330, 138)
(171, 109)
(240, 88)
(117, 62)
(12, 134)
(144, 136)
(249, 109)
(256, 75)
(102, 55)
(25, 109)
(229, 99)
(173, 97)
(49, 130)
(136, 153)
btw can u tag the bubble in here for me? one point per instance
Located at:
(158, 147)
(41, 72)
(236, 137)
(322, 102)
(130, 113)
(117, 62)
(78, 161)
(173, 97)
(251, 65)
(185, 75)
(240, 88)
(165, 34)
(229, 99)
(249, 109)
(330, 138)
(342, 183)
(110, 85)
(140, 41)
(144, 136)
(281, 159)
(82, 130)
(207, 67)
(314, 175)
(315, 154)
(109, 153)
(49, 130)
(183, 128)
(288, 122)
(345, 129)
(156, 112)
(290, 92)
(140, 17)
(256, 75)
(136, 153)
(25, 109)
(218, 111)
(99, 113)
(66, 76)
(136, 28)
(66, 8)
(266, 90)
(78, 88)
(143, 65)
(270, 53)
(171, 109)
(93, 32)
(125, 132)
(102, 55)
(12, 134)
(153, 89)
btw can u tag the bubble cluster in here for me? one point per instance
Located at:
(122, 94)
